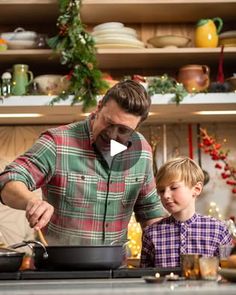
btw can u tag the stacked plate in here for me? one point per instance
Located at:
(20, 39)
(228, 39)
(116, 35)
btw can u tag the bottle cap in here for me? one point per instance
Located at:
(6, 75)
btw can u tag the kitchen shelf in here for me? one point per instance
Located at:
(28, 11)
(129, 58)
(156, 11)
(163, 109)
(131, 11)
(28, 56)
(162, 57)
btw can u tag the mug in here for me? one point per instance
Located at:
(22, 77)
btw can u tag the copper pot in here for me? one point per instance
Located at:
(195, 78)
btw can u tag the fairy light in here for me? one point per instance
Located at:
(214, 211)
(134, 236)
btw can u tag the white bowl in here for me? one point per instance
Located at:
(21, 44)
(19, 34)
(123, 30)
(109, 25)
(169, 41)
(51, 84)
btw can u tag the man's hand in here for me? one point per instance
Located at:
(38, 213)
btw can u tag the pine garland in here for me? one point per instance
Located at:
(78, 53)
(166, 84)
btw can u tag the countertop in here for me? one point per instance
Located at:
(114, 286)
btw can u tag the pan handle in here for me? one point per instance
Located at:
(28, 243)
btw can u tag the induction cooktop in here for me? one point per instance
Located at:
(87, 274)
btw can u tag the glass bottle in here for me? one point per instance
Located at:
(6, 84)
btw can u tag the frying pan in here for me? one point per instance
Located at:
(76, 257)
(10, 260)
(79, 257)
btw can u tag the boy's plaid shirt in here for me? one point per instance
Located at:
(93, 204)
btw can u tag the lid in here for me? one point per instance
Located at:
(6, 75)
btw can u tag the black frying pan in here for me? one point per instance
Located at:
(79, 257)
(75, 257)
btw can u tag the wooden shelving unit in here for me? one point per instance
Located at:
(17, 13)
(163, 109)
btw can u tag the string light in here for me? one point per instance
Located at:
(135, 237)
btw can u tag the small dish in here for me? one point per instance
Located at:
(228, 42)
(227, 34)
(169, 41)
(118, 40)
(108, 25)
(124, 30)
(153, 279)
(116, 45)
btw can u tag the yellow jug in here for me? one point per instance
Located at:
(206, 33)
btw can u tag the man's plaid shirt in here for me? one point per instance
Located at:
(93, 204)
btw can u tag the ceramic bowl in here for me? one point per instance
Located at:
(19, 34)
(169, 41)
(21, 44)
(232, 83)
(51, 84)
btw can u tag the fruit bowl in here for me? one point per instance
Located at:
(169, 41)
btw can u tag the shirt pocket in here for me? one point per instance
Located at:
(81, 190)
(133, 186)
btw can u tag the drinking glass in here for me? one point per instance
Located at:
(209, 267)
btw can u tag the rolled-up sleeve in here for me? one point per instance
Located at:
(35, 167)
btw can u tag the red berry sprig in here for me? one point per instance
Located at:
(210, 146)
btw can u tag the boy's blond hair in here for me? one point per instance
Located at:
(179, 169)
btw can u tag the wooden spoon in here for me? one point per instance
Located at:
(42, 238)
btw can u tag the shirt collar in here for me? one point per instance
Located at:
(186, 222)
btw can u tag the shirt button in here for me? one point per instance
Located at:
(83, 177)
(107, 224)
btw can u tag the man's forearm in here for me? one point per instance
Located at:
(15, 194)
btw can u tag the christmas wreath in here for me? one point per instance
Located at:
(77, 51)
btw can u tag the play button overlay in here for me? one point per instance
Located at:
(120, 147)
(116, 148)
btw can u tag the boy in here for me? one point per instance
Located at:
(179, 182)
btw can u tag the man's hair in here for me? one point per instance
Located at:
(131, 96)
(179, 169)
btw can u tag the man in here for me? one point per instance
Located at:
(89, 196)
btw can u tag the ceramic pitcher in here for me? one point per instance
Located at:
(22, 77)
(206, 32)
